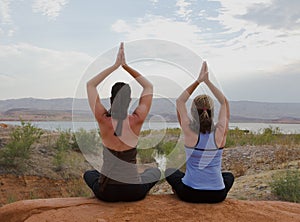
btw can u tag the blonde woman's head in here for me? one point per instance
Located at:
(202, 111)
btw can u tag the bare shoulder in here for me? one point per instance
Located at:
(190, 137)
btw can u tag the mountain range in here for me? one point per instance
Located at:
(62, 109)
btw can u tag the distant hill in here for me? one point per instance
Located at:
(61, 109)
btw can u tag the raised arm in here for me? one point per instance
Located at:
(182, 113)
(224, 113)
(145, 100)
(93, 97)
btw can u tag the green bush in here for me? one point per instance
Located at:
(268, 136)
(165, 147)
(87, 141)
(287, 185)
(21, 140)
(59, 160)
(235, 137)
(64, 143)
(146, 155)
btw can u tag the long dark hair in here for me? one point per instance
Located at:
(119, 100)
(202, 111)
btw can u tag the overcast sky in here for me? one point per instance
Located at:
(252, 46)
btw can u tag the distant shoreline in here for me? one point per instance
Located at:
(272, 121)
(162, 109)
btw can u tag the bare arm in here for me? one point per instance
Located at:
(146, 96)
(93, 97)
(224, 113)
(182, 113)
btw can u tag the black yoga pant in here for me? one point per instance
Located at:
(189, 194)
(122, 192)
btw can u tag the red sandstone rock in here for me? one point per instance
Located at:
(152, 208)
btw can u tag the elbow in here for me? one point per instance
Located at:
(223, 101)
(150, 85)
(226, 102)
(149, 88)
(89, 84)
(179, 102)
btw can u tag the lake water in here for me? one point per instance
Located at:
(74, 126)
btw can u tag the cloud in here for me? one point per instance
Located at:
(27, 70)
(256, 53)
(184, 11)
(51, 9)
(5, 12)
(7, 27)
(229, 11)
(158, 27)
(258, 48)
(278, 14)
(121, 26)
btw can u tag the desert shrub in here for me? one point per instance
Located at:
(59, 160)
(63, 142)
(173, 131)
(146, 155)
(286, 185)
(162, 147)
(87, 141)
(267, 136)
(62, 145)
(21, 141)
(145, 132)
(74, 143)
(165, 147)
(237, 137)
(295, 139)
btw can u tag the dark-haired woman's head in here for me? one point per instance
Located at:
(202, 111)
(120, 100)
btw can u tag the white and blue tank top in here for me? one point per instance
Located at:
(203, 164)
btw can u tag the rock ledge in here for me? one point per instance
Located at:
(152, 208)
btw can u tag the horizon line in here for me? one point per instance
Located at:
(61, 98)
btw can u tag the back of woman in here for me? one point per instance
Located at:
(203, 181)
(119, 179)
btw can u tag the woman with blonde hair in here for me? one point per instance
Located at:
(119, 179)
(203, 181)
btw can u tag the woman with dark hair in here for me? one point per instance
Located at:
(203, 181)
(119, 179)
